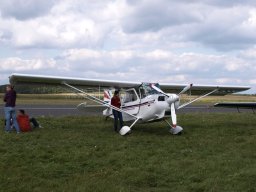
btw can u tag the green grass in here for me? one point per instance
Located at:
(216, 152)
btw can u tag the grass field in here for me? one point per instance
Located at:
(216, 152)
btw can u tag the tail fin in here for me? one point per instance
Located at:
(107, 95)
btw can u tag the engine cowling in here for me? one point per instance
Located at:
(173, 98)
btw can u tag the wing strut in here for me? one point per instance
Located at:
(125, 129)
(95, 99)
(202, 96)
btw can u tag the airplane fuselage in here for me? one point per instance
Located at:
(147, 109)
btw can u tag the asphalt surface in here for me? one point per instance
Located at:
(71, 110)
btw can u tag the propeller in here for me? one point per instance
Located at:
(173, 101)
(173, 114)
(159, 90)
(185, 89)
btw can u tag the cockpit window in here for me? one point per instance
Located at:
(146, 89)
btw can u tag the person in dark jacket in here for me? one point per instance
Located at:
(116, 102)
(9, 109)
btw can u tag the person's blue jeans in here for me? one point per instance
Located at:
(117, 115)
(11, 114)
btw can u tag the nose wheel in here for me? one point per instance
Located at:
(176, 130)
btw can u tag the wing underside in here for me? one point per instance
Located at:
(43, 79)
(197, 89)
(167, 87)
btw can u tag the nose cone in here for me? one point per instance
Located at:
(172, 98)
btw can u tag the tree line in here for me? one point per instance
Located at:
(37, 89)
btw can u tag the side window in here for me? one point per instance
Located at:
(142, 93)
(129, 96)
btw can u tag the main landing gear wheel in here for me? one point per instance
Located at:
(125, 130)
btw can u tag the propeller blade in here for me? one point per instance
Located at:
(186, 89)
(158, 90)
(173, 114)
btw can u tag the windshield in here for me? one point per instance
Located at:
(146, 89)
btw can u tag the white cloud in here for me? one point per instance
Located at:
(21, 65)
(178, 41)
(22, 10)
(156, 15)
(64, 26)
(249, 54)
(252, 81)
(229, 81)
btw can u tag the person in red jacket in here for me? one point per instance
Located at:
(116, 102)
(23, 121)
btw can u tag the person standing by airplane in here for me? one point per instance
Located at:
(9, 109)
(116, 102)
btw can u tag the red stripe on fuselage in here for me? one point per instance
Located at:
(137, 105)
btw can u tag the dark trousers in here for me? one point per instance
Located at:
(34, 122)
(117, 115)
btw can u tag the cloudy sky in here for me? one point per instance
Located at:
(171, 41)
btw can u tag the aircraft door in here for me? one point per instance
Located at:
(131, 101)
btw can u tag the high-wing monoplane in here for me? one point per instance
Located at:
(141, 102)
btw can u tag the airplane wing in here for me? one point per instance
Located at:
(167, 87)
(198, 89)
(16, 78)
(249, 105)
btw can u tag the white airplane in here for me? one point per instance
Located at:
(143, 102)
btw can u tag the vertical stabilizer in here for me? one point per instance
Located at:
(107, 95)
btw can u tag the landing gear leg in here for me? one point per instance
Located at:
(174, 130)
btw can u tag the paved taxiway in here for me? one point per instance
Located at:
(71, 110)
